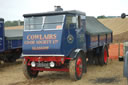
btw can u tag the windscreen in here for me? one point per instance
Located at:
(44, 22)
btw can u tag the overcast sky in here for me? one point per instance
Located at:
(14, 9)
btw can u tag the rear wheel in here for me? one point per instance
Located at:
(96, 60)
(28, 72)
(103, 58)
(76, 68)
(11, 59)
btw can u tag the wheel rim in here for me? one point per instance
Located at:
(105, 56)
(79, 67)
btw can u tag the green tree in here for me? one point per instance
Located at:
(101, 17)
(13, 23)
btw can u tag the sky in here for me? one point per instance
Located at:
(14, 9)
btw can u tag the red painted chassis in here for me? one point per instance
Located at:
(59, 61)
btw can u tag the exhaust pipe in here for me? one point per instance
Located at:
(58, 8)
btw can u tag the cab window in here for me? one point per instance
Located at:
(44, 22)
(71, 21)
(53, 22)
(33, 23)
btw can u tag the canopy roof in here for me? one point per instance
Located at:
(94, 27)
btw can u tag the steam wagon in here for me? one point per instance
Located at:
(63, 41)
(10, 43)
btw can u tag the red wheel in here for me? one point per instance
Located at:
(76, 68)
(79, 67)
(103, 58)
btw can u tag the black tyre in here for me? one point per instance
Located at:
(90, 59)
(28, 72)
(11, 59)
(76, 68)
(96, 62)
(103, 58)
(84, 64)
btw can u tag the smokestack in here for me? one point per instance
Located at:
(58, 8)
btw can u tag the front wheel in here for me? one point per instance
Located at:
(76, 68)
(28, 72)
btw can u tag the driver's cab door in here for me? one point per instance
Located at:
(80, 32)
(75, 31)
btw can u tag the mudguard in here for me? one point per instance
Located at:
(75, 53)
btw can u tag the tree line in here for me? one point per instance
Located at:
(13, 23)
(103, 17)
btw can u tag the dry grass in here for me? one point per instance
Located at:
(117, 25)
(120, 38)
(14, 27)
(111, 74)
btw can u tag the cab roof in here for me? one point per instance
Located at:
(1, 19)
(55, 13)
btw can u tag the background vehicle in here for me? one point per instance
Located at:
(10, 43)
(63, 41)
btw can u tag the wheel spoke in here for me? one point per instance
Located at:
(105, 56)
(76, 67)
(79, 66)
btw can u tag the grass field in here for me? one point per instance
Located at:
(119, 27)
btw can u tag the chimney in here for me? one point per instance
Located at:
(58, 8)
